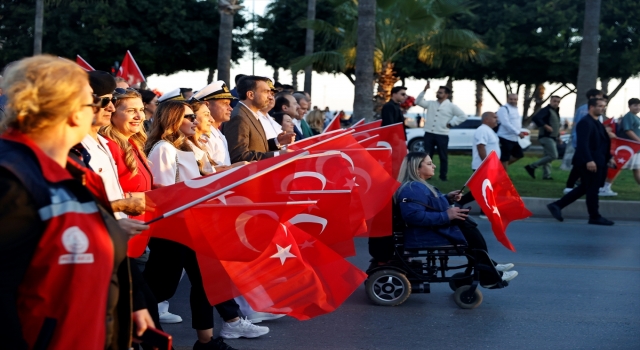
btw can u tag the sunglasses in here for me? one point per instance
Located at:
(104, 101)
(96, 105)
(191, 117)
(121, 91)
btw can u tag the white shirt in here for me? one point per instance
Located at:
(162, 160)
(484, 135)
(201, 155)
(217, 147)
(103, 164)
(440, 114)
(510, 122)
(270, 126)
(297, 123)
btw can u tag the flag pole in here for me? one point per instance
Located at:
(227, 188)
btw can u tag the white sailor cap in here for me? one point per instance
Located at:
(173, 95)
(214, 91)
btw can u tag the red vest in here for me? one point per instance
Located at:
(69, 274)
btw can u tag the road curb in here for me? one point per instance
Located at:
(610, 209)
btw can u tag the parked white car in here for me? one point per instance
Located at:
(460, 136)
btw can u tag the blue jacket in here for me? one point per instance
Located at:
(593, 143)
(424, 224)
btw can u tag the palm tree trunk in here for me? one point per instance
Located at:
(363, 89)
(37, 35)
(604, 82)
(308, 49)
(276, 75)
(386, 80)
(210, 75)
(539, 98)
(479, 93)
(294, 80)
(449, 84)
(588, 68)
(227, 9)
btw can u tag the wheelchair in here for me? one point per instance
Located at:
(407, 271)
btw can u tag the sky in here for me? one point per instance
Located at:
(337, 92)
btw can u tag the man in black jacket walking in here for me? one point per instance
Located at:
(591, 159)
(548, 121)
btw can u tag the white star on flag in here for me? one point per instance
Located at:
(306, 244)
(621, 160)
(352, 183)
(283, 253)
(313, 206)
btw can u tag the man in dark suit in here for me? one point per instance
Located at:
(591, 158)
(245, 135)
(391, 112)
(287, 104)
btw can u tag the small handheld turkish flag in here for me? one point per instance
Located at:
(130, 71)
(622, 150)
(392, 137)
(500, 202)
(358, 123)
(84, 64)
(334, 124)
(368, 126)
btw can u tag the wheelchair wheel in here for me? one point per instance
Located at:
(388, 288)
(466, 301)
(458, 280)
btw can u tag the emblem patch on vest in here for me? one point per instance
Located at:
(76, 243)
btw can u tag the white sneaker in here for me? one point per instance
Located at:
(504, 267)
(242, 328)
(258, 317)
(168, 317)
(482, 216)
(606, 192)
(509, 275)
(567, 190)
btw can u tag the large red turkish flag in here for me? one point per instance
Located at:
(392, 137)
(622, 150)
(497, 197)
(358, 123)
(381, 224)
(130, 71)
(298, 145)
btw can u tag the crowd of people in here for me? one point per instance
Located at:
(96, 146)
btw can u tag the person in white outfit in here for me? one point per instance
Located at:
(510, 131)
(173, 160)
(442, 115)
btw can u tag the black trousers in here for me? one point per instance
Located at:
(441, 142)
(574, 175)
(590, 184)
(163, 271)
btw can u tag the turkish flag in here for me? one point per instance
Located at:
(298, 145)
(392, 137)
(166, 200)
(130, 71)
(622, 150)
(381, 224)
(234, 232)
(500, 202)
(358, 123)
(84, 64)
(333, 125)
(372, 125)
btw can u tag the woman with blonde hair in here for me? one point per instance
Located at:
(61, 245)
(315, 119)
(127, 138)
(172, 161)
(198, 141)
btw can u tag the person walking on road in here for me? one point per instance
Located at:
(590, 160)
(548, 122)
(510, 130)
(441, 116)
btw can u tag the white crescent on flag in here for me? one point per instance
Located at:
(242, 220)
(297, 175)
(300, 218)
(384, 144)
(624, 148)
(487, 184)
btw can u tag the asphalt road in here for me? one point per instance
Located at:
(578, 288)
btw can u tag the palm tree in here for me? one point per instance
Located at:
(400, 25)
(37, 35)
(588, 68)
(227, 9)
(308, 49)
(366, 44)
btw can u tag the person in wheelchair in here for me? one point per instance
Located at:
(430, 218)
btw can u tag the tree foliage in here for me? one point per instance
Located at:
(165, 36)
